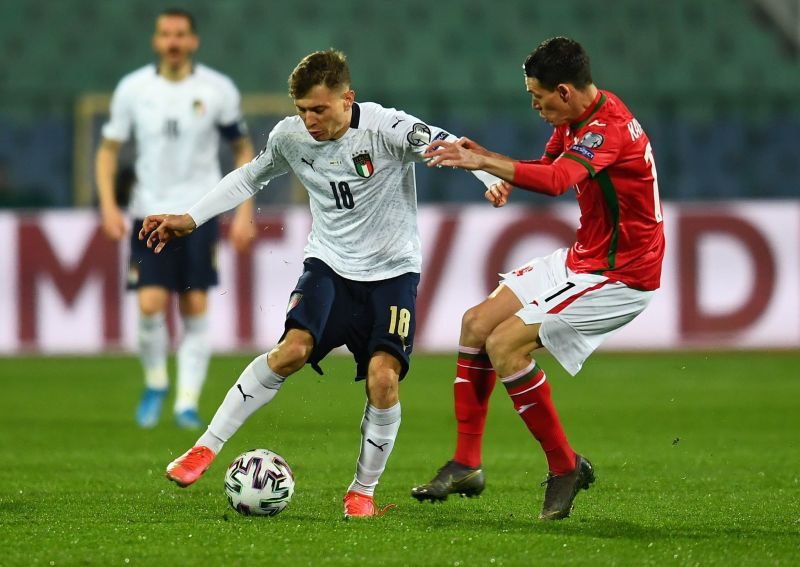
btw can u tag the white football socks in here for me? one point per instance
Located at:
(256, 387)
(153, 342)
(193, 354)
(378, 432)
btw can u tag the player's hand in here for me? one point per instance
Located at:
(243, 230)
(473, 146)
(157, 230)
(452, 154)
(115, 226)
(497, 194)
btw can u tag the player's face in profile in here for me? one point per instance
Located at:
(325, 112)
(173, 41)
(550, 105)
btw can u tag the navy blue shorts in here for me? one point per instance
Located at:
(184, 263)
(363, 316)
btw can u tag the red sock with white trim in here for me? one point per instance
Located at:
(530, 393)
(475, 379)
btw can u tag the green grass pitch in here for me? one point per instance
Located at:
(697, 458)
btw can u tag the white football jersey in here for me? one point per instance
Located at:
(177, 130)
(361, 187)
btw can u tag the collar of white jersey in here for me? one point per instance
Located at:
(355, 118)
(191, 70)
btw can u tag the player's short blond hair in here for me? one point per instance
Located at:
(327, 68)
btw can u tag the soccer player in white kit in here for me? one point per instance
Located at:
(177, 111)
(362, 260)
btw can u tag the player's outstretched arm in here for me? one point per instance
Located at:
(540, 177)
(157, 230)
(455, 154)
(474, 146)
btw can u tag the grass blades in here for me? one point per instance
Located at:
(696, 456)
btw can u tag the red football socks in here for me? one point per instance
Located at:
(475, 379)
(530, 393)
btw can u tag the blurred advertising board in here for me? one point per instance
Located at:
(731, 277)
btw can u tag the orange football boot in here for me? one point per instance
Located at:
(190, 466)
(357, 505)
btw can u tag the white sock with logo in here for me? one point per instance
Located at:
(153, 341)
(193, 354)
(378, 432)
(256, 387)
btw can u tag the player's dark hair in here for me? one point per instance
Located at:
(327, 68)
(181, 13)
(559, 60)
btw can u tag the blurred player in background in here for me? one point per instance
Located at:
(571, 300)
(362, 261)
(177, 111)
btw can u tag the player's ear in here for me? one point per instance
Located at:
(563, 91)
(349, 98)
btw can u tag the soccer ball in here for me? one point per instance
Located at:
(259, 483)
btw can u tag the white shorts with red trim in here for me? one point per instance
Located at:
(576, 311)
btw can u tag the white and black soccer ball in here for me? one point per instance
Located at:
(259, 482)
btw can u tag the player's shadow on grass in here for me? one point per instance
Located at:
(15, 507)
(607, 528)
(615, 529)
(492, 525)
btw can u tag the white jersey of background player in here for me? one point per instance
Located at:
(363, 256)
(177, 126)
(371, 167)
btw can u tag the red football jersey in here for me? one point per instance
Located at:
(621, 233)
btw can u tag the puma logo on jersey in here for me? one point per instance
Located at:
(399, 120)
(596, 123)
(308, 163)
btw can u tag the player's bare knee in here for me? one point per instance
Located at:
(287, 359)
(498, 347)
(383, 379)
(382, 389)
(193, 303)
(152, 300)
(474, 328)
(290, 355)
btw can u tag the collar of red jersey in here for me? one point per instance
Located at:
(581, 121)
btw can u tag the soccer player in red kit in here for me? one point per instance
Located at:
(571, 300)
